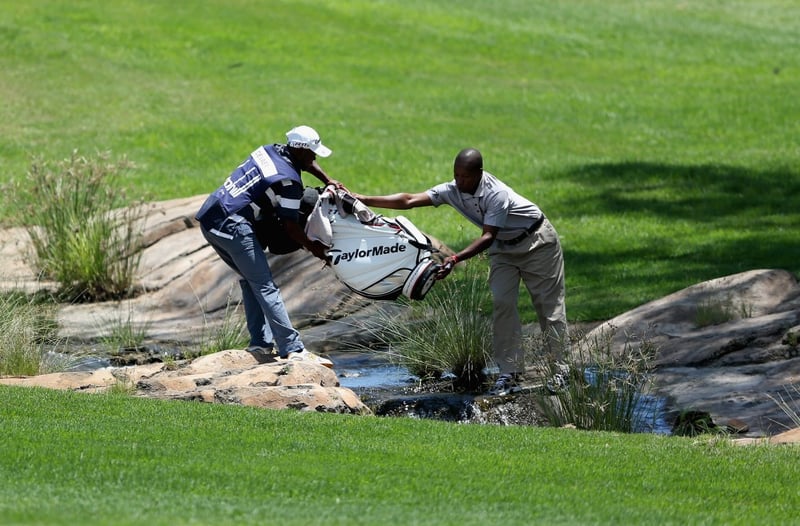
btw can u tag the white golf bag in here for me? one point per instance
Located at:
(375, 256)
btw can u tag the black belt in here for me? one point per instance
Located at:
(531, 229)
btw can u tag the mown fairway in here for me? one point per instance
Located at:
(72, 458)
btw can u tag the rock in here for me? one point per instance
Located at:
(736, 426)
(228, 377)
(98, 380)
(238, 377)
(791, 436)
(308, 397)
(733, 369)
(88, 381)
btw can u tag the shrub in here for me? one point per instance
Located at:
(716, 311)
(81, 236)
(604, 388)
(27, 328)
(449, 332)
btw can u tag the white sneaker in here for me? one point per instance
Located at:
(306, 356)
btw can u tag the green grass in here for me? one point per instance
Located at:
(660, 137)
(72, 458)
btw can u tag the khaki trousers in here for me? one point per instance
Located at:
(539, 263)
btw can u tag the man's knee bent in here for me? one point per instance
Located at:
(504, 303)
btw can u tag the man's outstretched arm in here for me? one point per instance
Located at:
(400, 201)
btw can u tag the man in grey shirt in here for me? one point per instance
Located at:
(522, 245)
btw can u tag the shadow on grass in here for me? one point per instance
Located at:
(637, 231)
(703, 193)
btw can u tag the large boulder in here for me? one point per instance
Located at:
(727, 347)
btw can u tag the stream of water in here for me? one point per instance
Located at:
(378, 381)
(391, 390)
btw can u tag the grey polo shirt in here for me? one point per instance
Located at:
(493, 204)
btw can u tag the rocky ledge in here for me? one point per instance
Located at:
(227, 377)
(729, 347)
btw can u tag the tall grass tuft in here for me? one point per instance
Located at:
(123, 386)
(716, 311)
(604, 387)
(230, 333)
(449, 332)
(82, 237)
(27, 327)
(125, 332)
(790, 405)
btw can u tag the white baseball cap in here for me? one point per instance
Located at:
(306, 137)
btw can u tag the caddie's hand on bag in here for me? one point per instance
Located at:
(446, 267)
(320, 251)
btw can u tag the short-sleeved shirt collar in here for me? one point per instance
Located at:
(493, 204)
